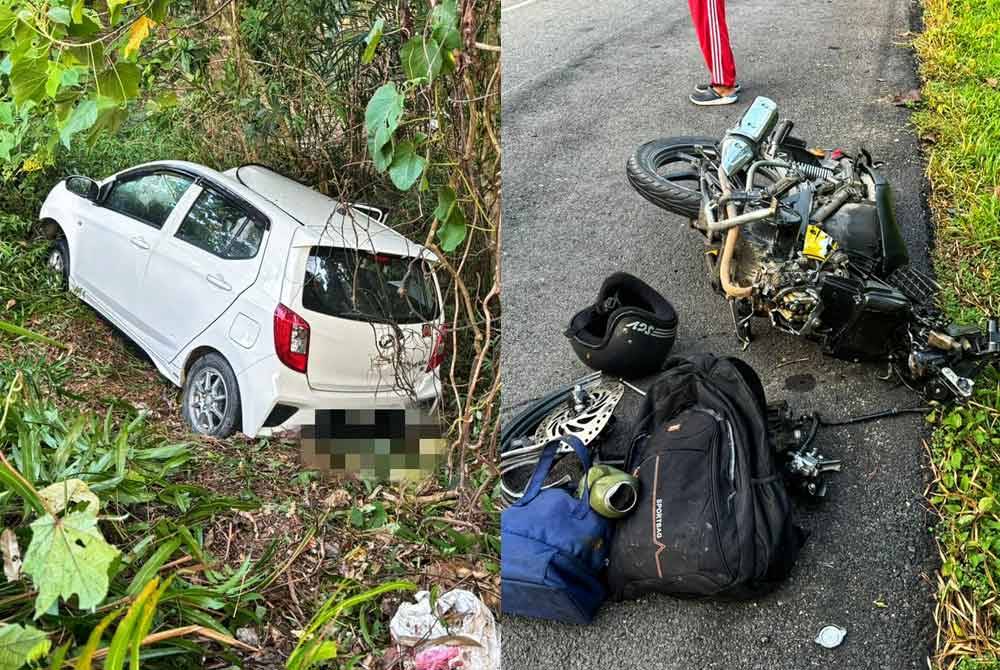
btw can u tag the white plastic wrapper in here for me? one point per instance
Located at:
(460, 633)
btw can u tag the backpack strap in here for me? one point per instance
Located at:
(752, 379)
(545, 464)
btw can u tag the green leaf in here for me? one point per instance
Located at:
(158, 10)
(381, 120)
(84, 116)
(119, 82)
(421, 58)
(451, 231)
(88, 26)
(68, 556)
(110, 117)
(61, 494)
(55, 78)
(125, 631)
(381, 149)
(372, 39)
(8, 19)
(76, 11)
(152, 566)
(91, 55)
(85, 659)
(6, 114)
(406, 166)
(70, 77)
(20, 645)
(384, 109)
(444, 25)
(451, 235)
(115, 8)
(58, 657)
(28, 78)
(19, 331)
(60, 15)
(7, 143)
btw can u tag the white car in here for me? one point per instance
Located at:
(256, 294)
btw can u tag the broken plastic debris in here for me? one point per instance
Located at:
(459, 623)
(831, 636)
(438, 658)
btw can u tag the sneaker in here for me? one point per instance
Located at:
(701, 88)
(710, 97)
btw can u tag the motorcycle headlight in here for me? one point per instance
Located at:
(736, 154)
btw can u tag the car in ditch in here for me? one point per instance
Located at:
(254, 293)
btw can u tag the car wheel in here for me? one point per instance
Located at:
(58, 260)
(211, 401)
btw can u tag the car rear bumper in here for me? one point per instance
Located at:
(268, 383)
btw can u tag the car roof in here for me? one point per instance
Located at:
(325, 221)
(321, 220)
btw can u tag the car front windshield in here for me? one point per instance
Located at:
(373, 287)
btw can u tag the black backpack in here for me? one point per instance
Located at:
(714, 518)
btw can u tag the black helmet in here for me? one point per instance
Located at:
(628, 332)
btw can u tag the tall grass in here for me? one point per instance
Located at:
(959, 120)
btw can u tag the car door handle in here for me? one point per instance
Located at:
(139, 242)
(219, 281)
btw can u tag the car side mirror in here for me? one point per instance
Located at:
(85, 187)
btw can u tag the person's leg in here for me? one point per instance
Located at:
(709, 18)
(725, 76)
(702, 28)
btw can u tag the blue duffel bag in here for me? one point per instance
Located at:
(554, 548)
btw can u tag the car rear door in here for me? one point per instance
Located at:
(116, 238)
(202, 266)
(373, 320)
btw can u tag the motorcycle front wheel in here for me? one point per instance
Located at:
(666, 172)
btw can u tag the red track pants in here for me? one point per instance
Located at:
(709, 18)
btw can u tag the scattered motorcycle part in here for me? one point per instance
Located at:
(525, 422)
(791, 438)
(809, 240)
(585, 416)
(831, 636)
(894, 411)
(629, 330)
(583, 409)
(613, 493)
(635, 389)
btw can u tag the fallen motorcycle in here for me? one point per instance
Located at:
(808, 239)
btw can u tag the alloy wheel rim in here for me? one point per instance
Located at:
(208, 400)
(56, 261)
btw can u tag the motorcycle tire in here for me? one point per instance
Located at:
(665, 172)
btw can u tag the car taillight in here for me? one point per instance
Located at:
(291, 338)
(437, 351)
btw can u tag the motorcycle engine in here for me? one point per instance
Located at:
(816, 280)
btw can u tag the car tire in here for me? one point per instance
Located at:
(58, 260)
(211, 399)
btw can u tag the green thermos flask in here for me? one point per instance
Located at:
(613, 493)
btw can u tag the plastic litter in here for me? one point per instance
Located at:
(831, 636)
(460, 633)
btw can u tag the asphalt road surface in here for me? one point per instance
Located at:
(587, 82)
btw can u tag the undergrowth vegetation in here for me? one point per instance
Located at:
(194, 551)
(959, 121)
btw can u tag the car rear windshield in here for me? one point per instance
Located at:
(365, 286)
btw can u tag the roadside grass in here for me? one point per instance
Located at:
(959, 122)
(291, 538)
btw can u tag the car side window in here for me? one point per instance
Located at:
(221, 227)
(150, 198)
